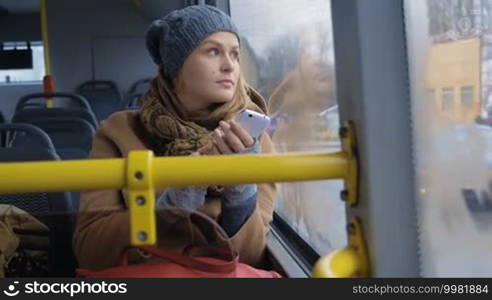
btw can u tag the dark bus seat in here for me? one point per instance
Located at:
(28, 114)
(69, 135)
(28, 143)
(72, 139)
(136, 91)
(140, 86)
(103, 96)
(132, 101)
(38, 100)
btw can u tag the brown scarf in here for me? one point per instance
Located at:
(169, 131)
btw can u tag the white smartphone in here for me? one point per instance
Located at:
(254, 122)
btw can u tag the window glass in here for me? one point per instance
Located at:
(287, 55)
(25, 75)
(447, 99)
(449, 46)
(467, 96)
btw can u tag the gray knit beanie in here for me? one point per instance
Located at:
(172, 38)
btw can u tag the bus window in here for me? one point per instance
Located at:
(16, 76)
(287, 51)
(447, 99)
(467, 95)
(449, 50)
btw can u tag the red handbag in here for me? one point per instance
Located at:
(177, 265)
(180, 266)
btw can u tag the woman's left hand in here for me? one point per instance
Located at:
(230, 137)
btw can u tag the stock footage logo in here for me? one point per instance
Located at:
(11, 291)
(65, 288)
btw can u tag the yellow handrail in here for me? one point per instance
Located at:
(48, 80)
(94, 174)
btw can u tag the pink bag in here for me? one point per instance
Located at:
(180, 266)
(224, 264)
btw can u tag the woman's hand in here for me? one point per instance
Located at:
(238, 201)
(230, 137)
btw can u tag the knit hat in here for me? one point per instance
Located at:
(172, 38)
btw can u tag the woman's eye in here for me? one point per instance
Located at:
(235, 55)
(213, 51)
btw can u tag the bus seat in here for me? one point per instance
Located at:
(132, 101)
(136, 91)
(72, 137)
(28, 143)
(140, 86)
(103, 96)
(28, 114)
(38, 100)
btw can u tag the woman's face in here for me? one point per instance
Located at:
(210, 74)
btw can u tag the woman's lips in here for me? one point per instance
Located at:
(226, 83)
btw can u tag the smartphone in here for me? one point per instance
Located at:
(255, 123)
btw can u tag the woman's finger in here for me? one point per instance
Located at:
(242, 134)
(218, 137)
(231, 138)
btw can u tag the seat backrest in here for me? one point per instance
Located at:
(38, 100)
(46, 203)
(132, 101)
(28, 114)
(136, 91)
(72, 137)
(24, 136)
(28, 143)
(140, 86)
(103, 96)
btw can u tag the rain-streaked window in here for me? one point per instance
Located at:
(287, 55)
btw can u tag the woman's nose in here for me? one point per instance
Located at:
(227, 64)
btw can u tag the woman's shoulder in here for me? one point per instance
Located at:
(121, 130)
(120, 118)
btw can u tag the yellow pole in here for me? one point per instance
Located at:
(96, 174)
(44, 32)
(233, 169)
(70, 175)
(341, 263)
(48, 80)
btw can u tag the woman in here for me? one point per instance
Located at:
(187, 111)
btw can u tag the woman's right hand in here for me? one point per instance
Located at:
(229, 138)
